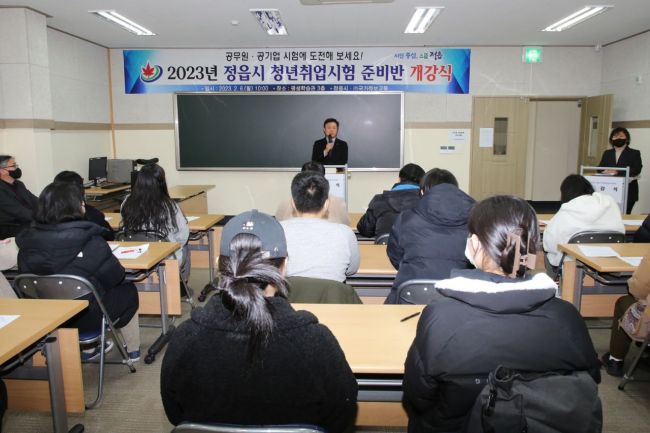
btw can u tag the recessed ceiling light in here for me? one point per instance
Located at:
(577, 17)
(270, 20)
(123, 22)
(422, 19)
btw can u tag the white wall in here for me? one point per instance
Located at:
(78, 79)
(494, 71)
(623, 63)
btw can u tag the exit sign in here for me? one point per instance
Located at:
(532, 55)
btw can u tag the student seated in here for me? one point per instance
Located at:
(619, 342)
(17, 203)
(489, 316)
(582, 210)
(62, 241)
(337, 211)
(317, 248)
(149, 208)
(428, 241)
(92, 214)
(384, 208)
(247, 357)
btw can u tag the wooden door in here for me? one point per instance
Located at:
(595, 124)
(499, 140)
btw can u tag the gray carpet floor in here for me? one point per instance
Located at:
(132, 402)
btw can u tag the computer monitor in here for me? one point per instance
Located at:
(97, 168)
(119, 171)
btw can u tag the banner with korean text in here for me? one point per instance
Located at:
(432, 70)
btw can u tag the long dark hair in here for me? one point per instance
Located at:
(242, 279)
(59, 202)
(149, 206)
(496, 221)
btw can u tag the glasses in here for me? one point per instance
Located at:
(11, 166)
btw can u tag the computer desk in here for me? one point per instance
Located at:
(162, 298)
(375, 343)
(38, 321)
(574, 280)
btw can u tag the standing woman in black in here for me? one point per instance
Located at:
(620, 155)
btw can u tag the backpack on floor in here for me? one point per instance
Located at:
(516, 402)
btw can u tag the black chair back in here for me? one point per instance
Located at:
(382, 239)
(418, 292)
(191, 427)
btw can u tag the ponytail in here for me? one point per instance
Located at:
(242, 279)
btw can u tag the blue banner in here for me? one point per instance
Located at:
(431, 70)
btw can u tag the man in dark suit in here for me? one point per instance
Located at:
(330, 150)
(622, 156)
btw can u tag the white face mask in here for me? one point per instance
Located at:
(468, 252)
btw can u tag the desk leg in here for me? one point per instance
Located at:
(579, 280)
(211, 254)
(167, 329)
(55, 379)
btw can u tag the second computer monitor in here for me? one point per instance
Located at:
(119, 170)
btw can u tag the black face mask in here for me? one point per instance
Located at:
(16, 174)
(619, 142)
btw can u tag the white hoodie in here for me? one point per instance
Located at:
(595, 212)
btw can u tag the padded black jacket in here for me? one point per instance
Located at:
(429, 240)
(383, 210)
(481, 321)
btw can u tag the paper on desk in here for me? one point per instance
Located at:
(632, 222)
(5, 320)
(543, 222)
(191, 218)
(131, 252)
(113, 246)
(590, 251)
(108, 218)
(633, 261)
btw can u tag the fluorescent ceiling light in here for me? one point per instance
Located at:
(123, 22)
(270, 20)
(422, 19)
(577, 17)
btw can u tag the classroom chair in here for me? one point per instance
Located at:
(153, 236)
(191, 427)
(319, 291)
(74, 287)
(591, 237)
(417, 292)
(629, 374)
(382, 239)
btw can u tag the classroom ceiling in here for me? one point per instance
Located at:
(208, 23)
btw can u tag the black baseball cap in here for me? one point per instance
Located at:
(266, 228)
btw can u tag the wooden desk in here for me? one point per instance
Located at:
(375, 276)
(375, 344)
(201, 228)
(39, 318)
(629, 229)
(191, 198)
(106, 199)
(98, 192)
(573, 276)
(354, 219)
(162, 298)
